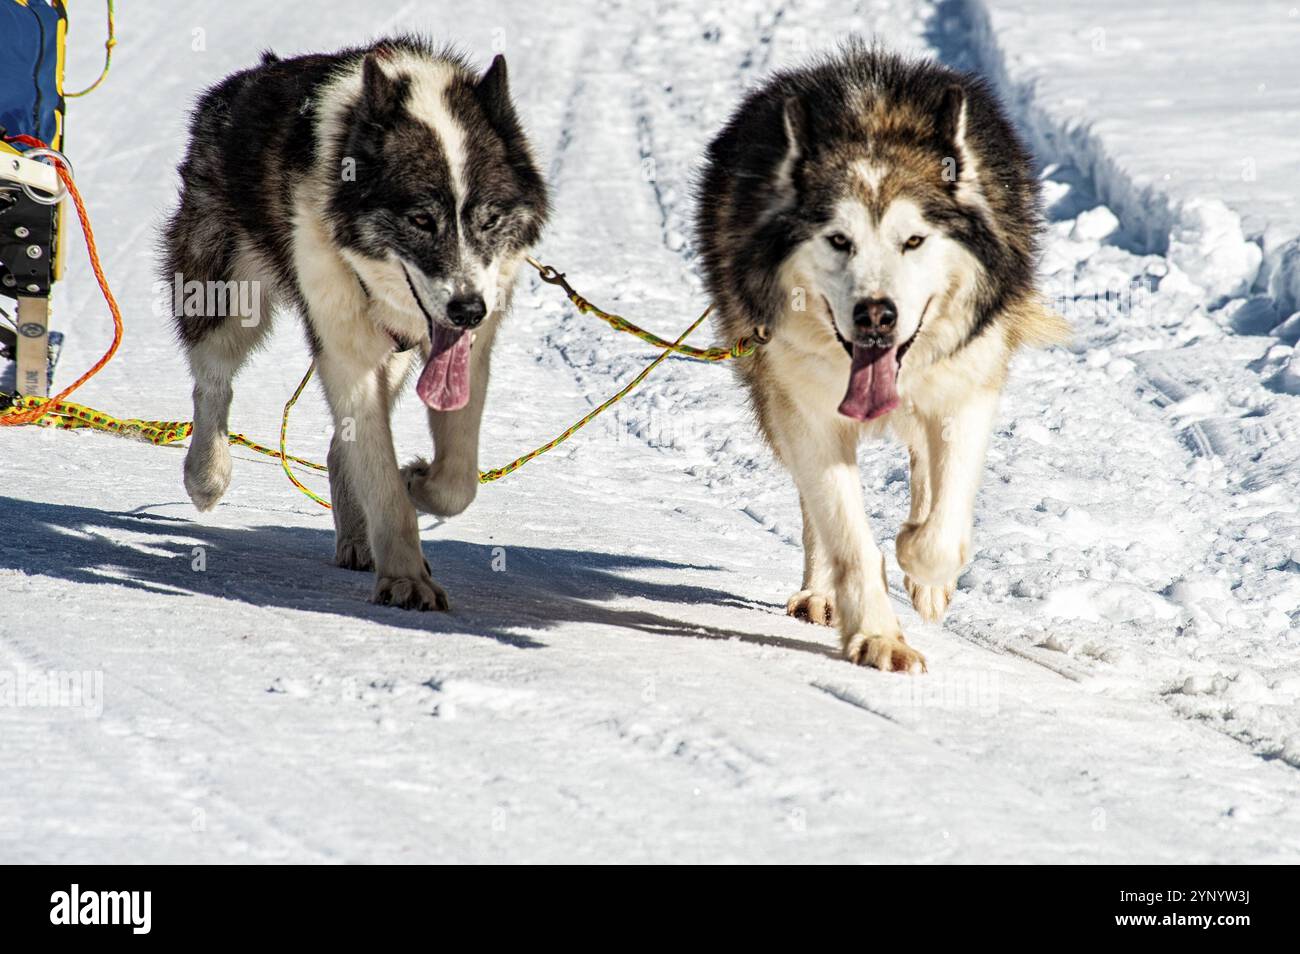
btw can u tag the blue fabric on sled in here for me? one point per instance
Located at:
(29, 93)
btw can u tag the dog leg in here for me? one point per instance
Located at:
(823, 459)
(207, 462)
(815, 601)
(448, 484)
(351, 541)
(933, 549)
(216, 353)
(359, 397)
(918, 457)
(928, 601)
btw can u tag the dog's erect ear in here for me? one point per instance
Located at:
(794, 125)
(959, 164)
(381, 95)
(493, 94)
(795, 121)
(794, 117)
(951, 120)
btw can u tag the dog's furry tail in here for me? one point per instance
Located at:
(1032, 324)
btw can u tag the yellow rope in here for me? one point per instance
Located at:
(743, 346)
(284, 429)
(487, 476)
(65, 414)
(108, 58)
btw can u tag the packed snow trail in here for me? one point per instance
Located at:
(618, 680)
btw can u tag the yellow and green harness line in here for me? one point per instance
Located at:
(487, 476)
(743, 346)
(66, 415)
(284, 430)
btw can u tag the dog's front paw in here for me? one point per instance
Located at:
(207, 474)
(887, 653)
(438, 490)
(928, 555)
(353, 555)
(813, 606)
(930, 601)
(411, 592)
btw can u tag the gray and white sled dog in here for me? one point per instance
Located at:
(878, 217)
(388, 194)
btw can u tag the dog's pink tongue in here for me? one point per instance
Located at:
(873, 383)
(444, 382)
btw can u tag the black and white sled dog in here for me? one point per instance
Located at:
(879, 218)
(389, 195)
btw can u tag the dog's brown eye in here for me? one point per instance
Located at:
(839, 241)
(490, 222)
(422, 220)
(913, 242)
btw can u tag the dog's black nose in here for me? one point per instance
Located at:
(466, 312)
(875, 315)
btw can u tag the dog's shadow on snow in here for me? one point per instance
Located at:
(290, 567)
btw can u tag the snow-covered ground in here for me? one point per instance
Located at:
(1117, 678)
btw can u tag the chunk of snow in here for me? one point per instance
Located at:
(1096, 601)
(1207, 243)
(1197, 405)
(1095, 225)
